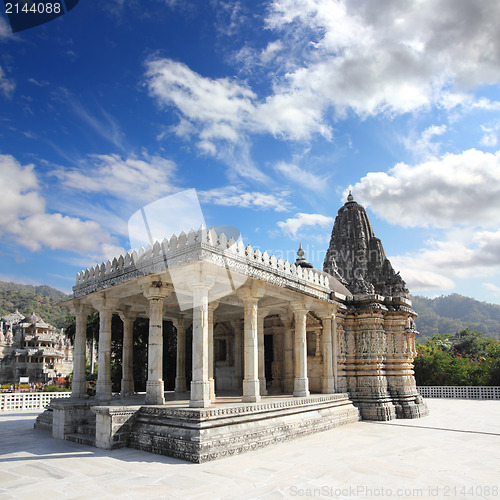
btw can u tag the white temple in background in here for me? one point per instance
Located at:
(29, 347)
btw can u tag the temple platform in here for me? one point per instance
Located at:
(228, 427)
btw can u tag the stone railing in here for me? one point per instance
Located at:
(168, 252)
(15, 401)
(460, 392)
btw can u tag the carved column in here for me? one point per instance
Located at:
(301, 381)
(155, 291)
(260, 338)
(105, 306)
(180, 367)
(81, 312)
(335, 342)
(288, 368)
(127, 386)
(211, 308)
(251, 385)
(200, 385)
(237, 353)
(327, 380)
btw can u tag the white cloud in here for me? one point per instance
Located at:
(301, 220)
(20, 197)
(23, 216)
(5, 31)
(495, 289)
(234, 197)
(457, 189)
(303, 177)
(366, 58)
(7, 86)
(218, 106)
(461, 254)
(422, 146)
(125, 178)
(490, 137)
(390, 57)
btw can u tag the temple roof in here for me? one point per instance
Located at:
(357, 258)
(13, 318)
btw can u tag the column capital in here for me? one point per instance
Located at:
(78, 307)
(237, 325)
(263, 312)
(300, 306)
(155, 288)
(326, 313)
(127, 314)
(204, 283)
(179, 323)
(102, 303)
(252, 292)
(212, 306)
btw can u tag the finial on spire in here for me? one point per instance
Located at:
(301, 261)
(350, 197)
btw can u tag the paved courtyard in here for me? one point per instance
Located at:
(452, 453)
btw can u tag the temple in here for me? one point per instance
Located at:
(279, 349)
(32, 349)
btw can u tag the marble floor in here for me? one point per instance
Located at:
(452, 453)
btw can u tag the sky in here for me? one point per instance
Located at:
(272, 111)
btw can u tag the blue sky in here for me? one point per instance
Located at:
(272, 111)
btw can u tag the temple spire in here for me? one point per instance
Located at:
(358, 256)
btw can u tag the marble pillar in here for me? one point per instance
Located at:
(327, 380)
(238, 353)
(79, 356)
(211, 363)
(251, 385)
(180, 367)
(155, 292)
(104, 386)
(200, 385)
(262, 313)
(288, 366)
(127, 383)
(301, 381)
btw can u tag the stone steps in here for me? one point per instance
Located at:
(85, 434)
(79, 438)
(44, 421)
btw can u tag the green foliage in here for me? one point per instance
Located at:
(453, 313)
(55, 388)
(42, 300)
(471, 360)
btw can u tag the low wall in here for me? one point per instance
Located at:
(15, 401)
(460, 392)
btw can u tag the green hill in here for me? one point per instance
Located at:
(39, 299)
(445, 314)
(453, 313)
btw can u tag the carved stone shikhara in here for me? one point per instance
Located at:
(262, 328)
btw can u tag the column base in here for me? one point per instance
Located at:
(251, 391)
(127, 387)
(155, 392)
(301, 388)
(211, 381)
(262, 387)
(200, 395)
(180, 384)
(328, 385)
(103, 392)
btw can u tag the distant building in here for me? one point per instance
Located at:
(30, 347)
